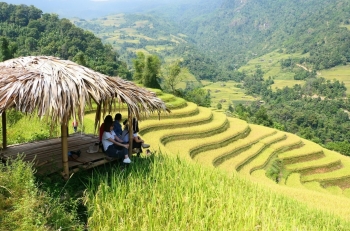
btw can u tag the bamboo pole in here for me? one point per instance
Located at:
(64, 142)
(131, 133)
(4, 130)
(98, 119)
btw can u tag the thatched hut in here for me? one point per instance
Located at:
(61, 89)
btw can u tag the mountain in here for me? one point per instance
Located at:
(25, 31)
(242, 29)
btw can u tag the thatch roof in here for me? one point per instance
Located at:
(60, 89)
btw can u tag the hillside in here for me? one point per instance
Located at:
(279, 160)
(297, 167)
(26, 31)
(240, 30)
(130, 33)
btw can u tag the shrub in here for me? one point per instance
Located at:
(24, 207)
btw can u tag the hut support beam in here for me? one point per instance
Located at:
(131, 133)
(4, 132)
(98, 118)
(64, 140)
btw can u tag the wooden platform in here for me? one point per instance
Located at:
(47, 154)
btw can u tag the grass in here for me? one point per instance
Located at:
(23, 206)
(142, 199)
(279, 84)
(226, 93)
(341, 73)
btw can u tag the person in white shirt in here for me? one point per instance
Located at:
(113, 145)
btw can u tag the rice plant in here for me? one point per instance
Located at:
(163, 193)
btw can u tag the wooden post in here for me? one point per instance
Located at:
(98, 119)
(131, 133)
(64, 142)
(4, 131)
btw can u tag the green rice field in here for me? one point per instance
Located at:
(226, 93)
(341, 73)
(206, 167)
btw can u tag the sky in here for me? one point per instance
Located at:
(88, 9)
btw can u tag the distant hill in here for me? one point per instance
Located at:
(25, 31)
(129, 33)
(230, 33)
(240, 30)
(150, 34)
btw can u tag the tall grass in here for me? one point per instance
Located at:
(163, 193)
(24, 207)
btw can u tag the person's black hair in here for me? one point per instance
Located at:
(118, 117)
(135, 125)
(107, 126)
(108, 118)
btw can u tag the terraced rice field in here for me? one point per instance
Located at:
(212, 139)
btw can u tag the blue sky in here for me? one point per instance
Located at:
(92, 8)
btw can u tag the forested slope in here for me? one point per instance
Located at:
(25, 30)
(242, 29)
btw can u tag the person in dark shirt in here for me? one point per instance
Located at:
(117, 126)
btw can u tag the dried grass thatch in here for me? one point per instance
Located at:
(61, 89)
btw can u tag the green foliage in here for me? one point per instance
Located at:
(147, 70)
(151, 72)
(27, 129)
(261, 117)
(25, 207)
(139, 66)
(274, 170)
(230, 108)
(80, 58)
(316, 111)
(171, 76)
(13, 116)
(27, 31)
(342, 147)
(219, 106)
(196, 95)
(303, 74)
(232, 34)
(201, 66)
(5, 50)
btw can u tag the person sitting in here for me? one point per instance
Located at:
(75, 125)
(113, 145)
(117, 126)
(137, 143)
(107, 119)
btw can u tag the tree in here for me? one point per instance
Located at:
(5, 51)
(79, 58)
(151, 72)
(139, 66)
(171, 76)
